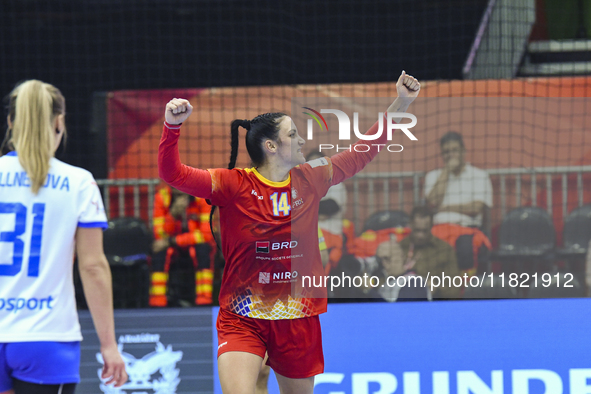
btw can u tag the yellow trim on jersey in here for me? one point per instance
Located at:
(266, 181)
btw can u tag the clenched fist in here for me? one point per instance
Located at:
(408, 86)
(177, 111)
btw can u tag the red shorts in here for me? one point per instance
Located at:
(294, 346)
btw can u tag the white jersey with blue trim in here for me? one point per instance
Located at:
(37, 234)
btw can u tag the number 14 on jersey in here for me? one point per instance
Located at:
(280, 204)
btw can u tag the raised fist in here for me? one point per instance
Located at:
(177, 111)
(408, 86)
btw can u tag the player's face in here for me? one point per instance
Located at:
(290, 148)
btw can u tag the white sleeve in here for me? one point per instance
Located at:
(91, 212)
(430, 181)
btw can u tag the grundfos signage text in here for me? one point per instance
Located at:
(461, 347)
(517, 381)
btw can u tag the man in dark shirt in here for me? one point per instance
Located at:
(424, 253)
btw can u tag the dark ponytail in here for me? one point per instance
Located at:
(234, 141)
(233, 156)
(263, 127)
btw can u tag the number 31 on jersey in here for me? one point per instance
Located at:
(280, 204)
(13, 237)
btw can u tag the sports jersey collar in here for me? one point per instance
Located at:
(13, 153)
(268, 182)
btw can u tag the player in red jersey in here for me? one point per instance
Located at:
(269, 232)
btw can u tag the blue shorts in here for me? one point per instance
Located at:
(39, 363)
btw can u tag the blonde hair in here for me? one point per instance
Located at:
(33, 107)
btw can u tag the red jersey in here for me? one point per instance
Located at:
(269, 234)
(269, 230)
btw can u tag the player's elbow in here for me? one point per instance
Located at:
(167, 171)
(93, 266)
(164, 174)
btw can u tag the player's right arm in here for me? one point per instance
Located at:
(186, 179)
(348, 163)
(96, 281)
(218, 185)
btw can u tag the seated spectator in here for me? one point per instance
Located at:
(460, 195)
(397, 281)
(426, 254)
(181, 236)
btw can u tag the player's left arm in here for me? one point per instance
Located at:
(96, 275)
(96, 281)
(348, 163)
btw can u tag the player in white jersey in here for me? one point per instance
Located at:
(48, 209)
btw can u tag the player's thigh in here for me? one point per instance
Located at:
(8, 392)
(238, 372)
(303, 360)
(295, 386)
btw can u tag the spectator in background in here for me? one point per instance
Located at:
(458, 193)
(181, 236)
(424, 253)
(336, 230)
(397, 281)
